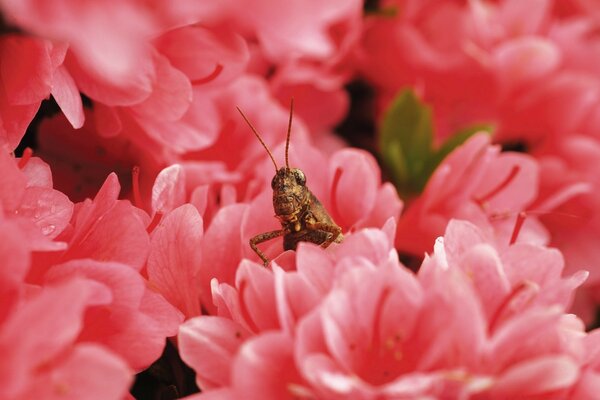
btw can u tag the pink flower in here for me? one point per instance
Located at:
(344, 325)
(108, 229)
(225, 243)
(510, 279)
(134, 322)
(53, 364)
(174, 260)
(478, 183)
(29, 200)
(31, 71)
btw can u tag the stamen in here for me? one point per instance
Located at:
(518, 225)
(210, 77)
(518, 290)
(155, 221)
(135, 183)
(27, 153)
(513, 173)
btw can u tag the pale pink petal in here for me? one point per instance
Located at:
(208, 345)
(134, 90)
(269, 357)
(256, 287)
(537, 376)
(78, 377)
(128, 326)
(482, 265)
(219, 53)
(351, 172)
(174, 259)
(525, 59)
(49, 209)
(67, 96)
(221, 248)
(168, 191)
(171, 94)
(518, 192)
(58, 312)
(37, 173)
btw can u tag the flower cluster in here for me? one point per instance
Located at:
(125, 224)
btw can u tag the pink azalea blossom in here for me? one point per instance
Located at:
(28, 199)
(332, 328)
(478, 183)
(32, 70)
(54, 365)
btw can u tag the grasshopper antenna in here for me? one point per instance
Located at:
(287, 141)
(260, 139)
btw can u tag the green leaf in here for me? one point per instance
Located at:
(406, 143)
(406, 139)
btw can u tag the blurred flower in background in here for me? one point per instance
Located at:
(130, 186)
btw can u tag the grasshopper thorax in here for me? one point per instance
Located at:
(290, 194)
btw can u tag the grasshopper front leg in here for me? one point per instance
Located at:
(333, 230)
(263, 237)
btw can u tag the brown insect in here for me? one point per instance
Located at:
(302, 216)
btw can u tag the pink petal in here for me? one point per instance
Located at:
(107, 229)
(107, 121)
(12, 183)
(58, 311)
(174, 259)
(49, 209)
(482, 265)
(223, 48)
(221, 248)
(171, 94)
(208, 345)
(38, 173)
(269, 357)
(16, 258)
(26, 69)
(519, 192)
(134, 330)
(356, 172)
(256, 287)
(14, 120)
(76, 377)
(522, 60)
(132, 91)
(67, 96)
(168, 191)
(537, 376)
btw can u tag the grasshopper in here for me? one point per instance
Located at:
(301, 214)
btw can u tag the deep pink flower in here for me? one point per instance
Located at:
(344, 325)
(478, 183)
(31, 70)
(174, 260)
(28, 199)
(109, 229)
(53, 365)
(134, 322)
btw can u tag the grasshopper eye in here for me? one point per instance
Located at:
(273, 182)
(300, 178)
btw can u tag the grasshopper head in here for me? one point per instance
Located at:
(290, 193)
